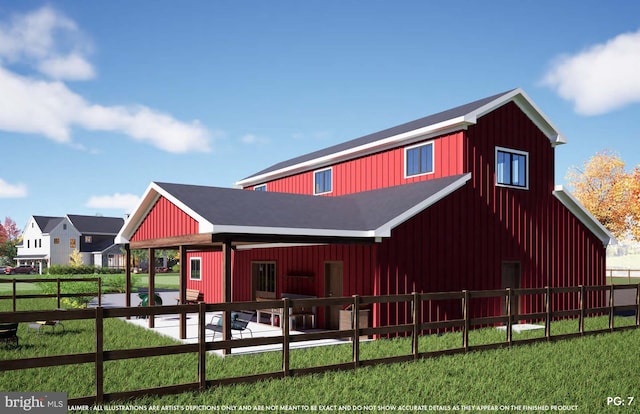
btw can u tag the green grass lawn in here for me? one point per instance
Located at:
(580, 372)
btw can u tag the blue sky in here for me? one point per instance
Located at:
(98, 99)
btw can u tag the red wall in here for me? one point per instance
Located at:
(462, 241)
(384, 169)
(165, 220)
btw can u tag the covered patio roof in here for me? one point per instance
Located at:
(244, 217)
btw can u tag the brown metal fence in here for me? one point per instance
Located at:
(413, 330)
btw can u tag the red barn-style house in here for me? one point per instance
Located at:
(462, 199)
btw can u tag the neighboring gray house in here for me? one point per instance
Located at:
(51, 240)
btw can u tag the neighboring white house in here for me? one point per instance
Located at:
(51, 240)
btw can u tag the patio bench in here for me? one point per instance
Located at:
(193, 296)
(9, 333)
(239, 323)
(38, 325)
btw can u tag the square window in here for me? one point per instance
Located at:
(56, 240)
(512, 168)
(419, 160)
(195, 268)
(322, 181)
(88, 239)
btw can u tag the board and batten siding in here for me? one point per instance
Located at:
(462, 241)
(380, 170)
(165, 220)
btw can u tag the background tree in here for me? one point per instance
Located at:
(9, 239)
(75, 258)
(609, 192)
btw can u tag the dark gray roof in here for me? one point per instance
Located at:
(362, 211)
(409, 126)
(96, 224)
(47, 223)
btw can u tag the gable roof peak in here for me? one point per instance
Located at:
(457, 118)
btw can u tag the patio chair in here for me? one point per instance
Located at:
(239, 322)
(38, 326)
(9, 333)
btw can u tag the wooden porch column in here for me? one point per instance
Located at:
(152, 291)
(226, 291)
(183, 291)
(127, 276)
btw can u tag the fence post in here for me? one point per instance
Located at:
(284, 323)
(416, 325)
(547, 310)
(202, 349)
(99, 291)
(99, 367)
(355, 320)
(509, 320)
(611, 307)
(58, 284)
(638, 305)
(15, 292)
(465, 316)
(582, 313)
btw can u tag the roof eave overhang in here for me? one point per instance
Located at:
(583, 215)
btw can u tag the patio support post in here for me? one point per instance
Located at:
(183, 291)
(127, 276)
(226, 289)
(152, 290)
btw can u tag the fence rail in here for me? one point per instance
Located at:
(59, 295)
(414, 329)
(628, 274)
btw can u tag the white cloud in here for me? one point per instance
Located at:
(48, 107)
(49, 41)
(12, 190)
(251, 139)
(71, 67)
(126, 202)
(600, 79)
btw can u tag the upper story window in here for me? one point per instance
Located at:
(194, 268)
(418, 159)
(322, 180)
(262, 187)
(512, 168)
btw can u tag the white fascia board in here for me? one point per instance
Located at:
(385, 229)
(274, 245)
(148, 200)
(430, 131)
(291, 231)
(578, 210)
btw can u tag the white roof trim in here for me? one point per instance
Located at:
(291, 231)
(385, 229)
(583, 215)
(454, 124)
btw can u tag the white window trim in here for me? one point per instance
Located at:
(314, 180)
(255, 187)
(433, 159)
(199, 259)
(526, 169)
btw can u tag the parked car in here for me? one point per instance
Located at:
(27, 270)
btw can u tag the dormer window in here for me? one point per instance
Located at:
(512, 168)
(262, 187)
(418, 160)
(322, 181)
